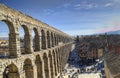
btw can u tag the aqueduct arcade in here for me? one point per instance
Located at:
(44, 56)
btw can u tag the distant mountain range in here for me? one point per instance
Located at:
(4, 38)
(110, 32)
(114, 32)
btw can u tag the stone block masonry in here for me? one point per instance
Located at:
(45, 60)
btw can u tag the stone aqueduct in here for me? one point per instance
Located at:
(46, 60)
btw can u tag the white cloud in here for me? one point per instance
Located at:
(108, 4)
(85, 6)
(65, 5)
(78, 5)
(89, 6)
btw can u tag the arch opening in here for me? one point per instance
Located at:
(55, 39)
(52, 39)
(54, 58)
(28, 68)
(7, 39)
(46, 68)
(57, 59)
(24, 40)
(38, 63)
(43, 39)
(36, 40)
(11, 71)
(51, 64)
(48, 39)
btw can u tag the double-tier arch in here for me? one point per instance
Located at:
(28, 61)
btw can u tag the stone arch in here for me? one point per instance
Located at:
(11, 71)
(48, 39)
(60, 38)
(28, 68)
(10, 26)
(26, 49)
(59, 55)
(38, 63)
(58, 60)
(62, 59)
(43, 39)
(36, 40)
(56, 52)
(55, 39)
(46, 67)
(52, 39)
(51, 64)
(63, 40)
(12, 43)
(66, 39)
(55, 65)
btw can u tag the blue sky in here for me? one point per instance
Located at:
(75, 17)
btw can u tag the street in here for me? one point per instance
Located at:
(73, 69)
